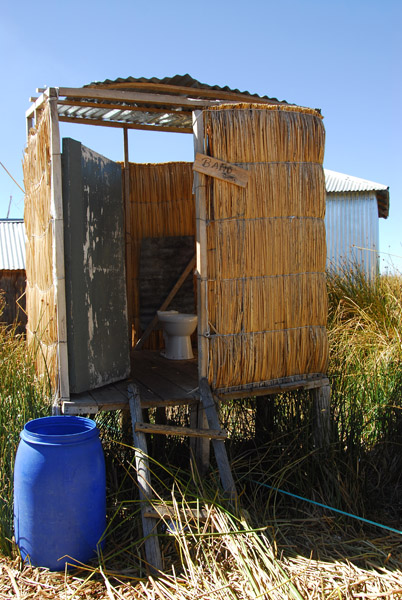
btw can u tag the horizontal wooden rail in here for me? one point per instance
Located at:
(215, 434)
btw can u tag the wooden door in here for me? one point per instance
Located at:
(97, 324)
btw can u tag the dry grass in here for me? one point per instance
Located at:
(228, 559)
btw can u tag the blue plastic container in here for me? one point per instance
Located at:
(59, 491)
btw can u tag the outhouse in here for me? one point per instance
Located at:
(236, 238)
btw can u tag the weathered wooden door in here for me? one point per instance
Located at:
(97, 329)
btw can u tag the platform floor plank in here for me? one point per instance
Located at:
(161, 382)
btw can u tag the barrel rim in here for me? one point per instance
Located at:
(85, 429)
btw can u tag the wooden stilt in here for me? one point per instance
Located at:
(149, 525)
(201, 447)
(321, 398)
(221, 456)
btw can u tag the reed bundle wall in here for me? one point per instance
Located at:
(161, 205)
(266, 294)
(40, 293)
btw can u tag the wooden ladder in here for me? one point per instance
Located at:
(150, 512)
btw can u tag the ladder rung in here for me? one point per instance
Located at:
(167, 512)
(215, 434)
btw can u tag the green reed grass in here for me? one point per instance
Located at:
(22, 397)
(365, 329)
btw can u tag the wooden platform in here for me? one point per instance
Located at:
(161, 382)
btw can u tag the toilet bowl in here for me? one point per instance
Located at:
(177, 329)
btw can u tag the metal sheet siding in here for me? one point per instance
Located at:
(12, 245)
(352, 231)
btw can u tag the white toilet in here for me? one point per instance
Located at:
(177, 329)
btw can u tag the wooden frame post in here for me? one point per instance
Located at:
(128, 248)
(202, 446)
(59, 281)
(201, 248)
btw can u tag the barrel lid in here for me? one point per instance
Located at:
(60, 429)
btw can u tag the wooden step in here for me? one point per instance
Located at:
(214, 434)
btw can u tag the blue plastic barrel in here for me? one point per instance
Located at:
(59, 491)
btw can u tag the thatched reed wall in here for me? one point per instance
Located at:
(161, 205)
(266, 250)
(40, 292)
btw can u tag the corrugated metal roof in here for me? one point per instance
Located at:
(12, 244)
(140, 103)
(178, 81)
(339, 183)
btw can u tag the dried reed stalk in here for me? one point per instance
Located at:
(161, 205)
(266, 250)
(40, 295)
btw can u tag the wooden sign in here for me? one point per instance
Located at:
(208, 165)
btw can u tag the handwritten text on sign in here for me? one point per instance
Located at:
(220, 169)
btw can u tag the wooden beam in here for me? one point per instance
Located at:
(37, 104)
(162, 99)
(166, 303)
(213, 434)
(111, 106)
(89, 405)
(275, 388)
(124, 125)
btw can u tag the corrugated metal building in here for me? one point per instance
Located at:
(12, 270)
(353, 208)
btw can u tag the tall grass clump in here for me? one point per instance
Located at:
(365, 329)
(365, 369)
(22, 397)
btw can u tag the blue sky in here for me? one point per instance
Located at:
(343, 57)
